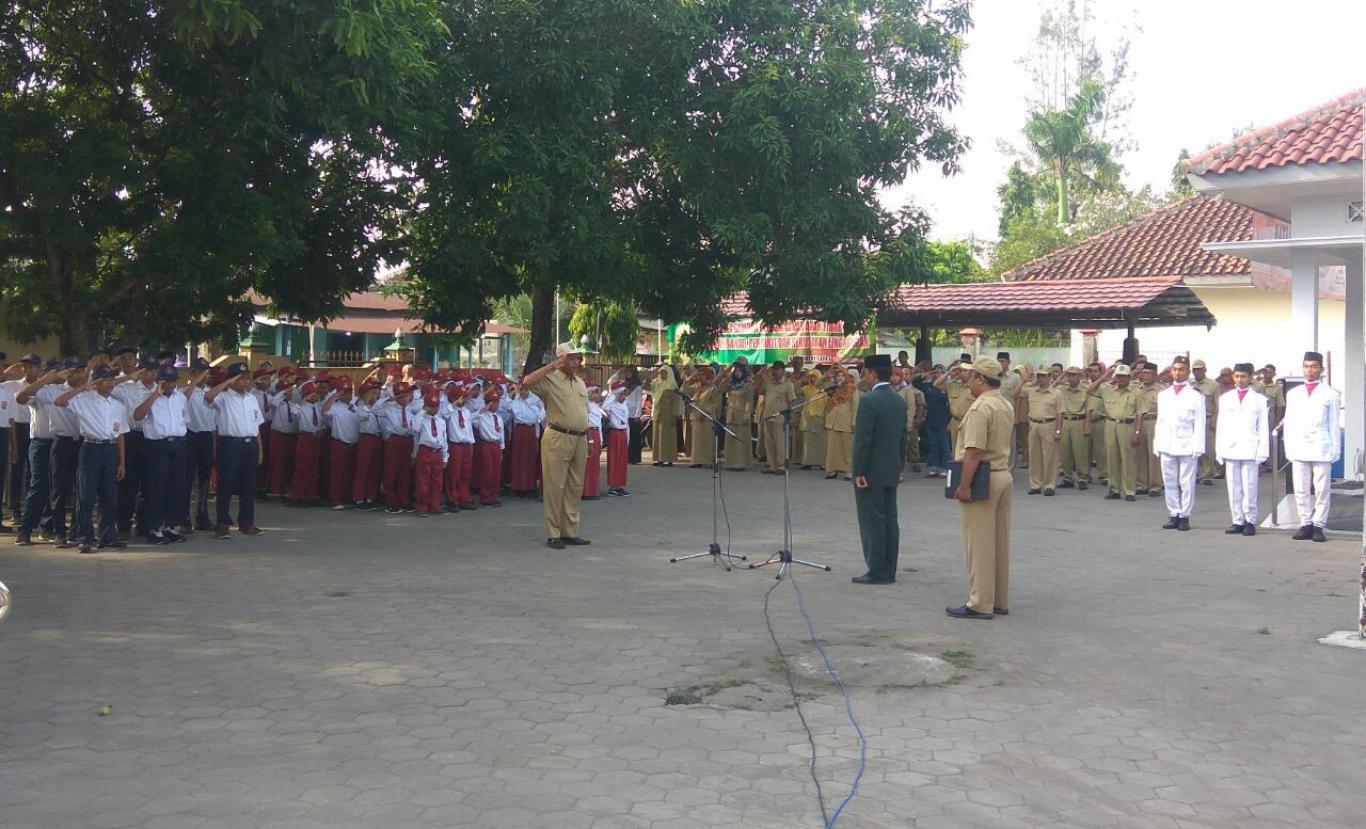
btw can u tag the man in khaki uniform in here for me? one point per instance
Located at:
(1076, 431)
(1122, 403)
(1043, 407)
(778, 397)
(915, 415)
(1095, 412)
(1275, 407)
(985, 439)
(960, 399)
(1209, 468)
(564, 446)
(1147, 468)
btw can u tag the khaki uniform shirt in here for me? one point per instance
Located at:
(778, 396)
(1121, 404)
(1074, 401)
(1043, 405)
(1275, 398)
(988, 426)
(1149, 395)
(566, 400)
(1210, 389)
(839, 417)
(739, 401)
(960, 398)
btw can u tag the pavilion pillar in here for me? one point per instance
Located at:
(1304, 301)
(923, 350)
(1353, 380)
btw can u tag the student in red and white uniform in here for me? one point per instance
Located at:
(430, 453)
(488, 430)
(460, 436)
(617, 413)
(527, 413)
(396, 425)
(303, 489)
(369, 449)
(592, 471)
(284, 428)
(342, 414)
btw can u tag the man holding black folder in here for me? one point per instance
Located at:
(984, 437)
(879, 446)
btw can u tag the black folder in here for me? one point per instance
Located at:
(980, 480)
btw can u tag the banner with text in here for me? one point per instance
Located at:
(816, 342)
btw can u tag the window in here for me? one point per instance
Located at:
(1354, 212)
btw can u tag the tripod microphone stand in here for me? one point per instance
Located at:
(783, 558)
(714, 550)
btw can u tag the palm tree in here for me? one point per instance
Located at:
(1062, 139)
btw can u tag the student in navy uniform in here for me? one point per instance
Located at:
(102, 422)
(239, 449)
(24, 372)
(162, 415)
(39, 447)
(201, 421)
(131, 392)
(66, 447)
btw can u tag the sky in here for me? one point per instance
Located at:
(1200, 70)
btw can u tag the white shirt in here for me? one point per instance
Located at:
(488, 426)
(1310, 428)
(284, 414)
(7, 405)
(594, 416)
(1241, 433)
(98, 417)
(17, 413)
(528, 412)
(40, 427)
(1180, 426)
(199, 416)
(263, 399)
(311, 420)
(617, 413)
(343, 420)
(166, 419)
(238, 414)
(430, 430)
(366, 422)
(394, 420)
(131, 394)
(62, 423)
(459, 425)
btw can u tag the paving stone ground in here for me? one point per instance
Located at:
(362, 670)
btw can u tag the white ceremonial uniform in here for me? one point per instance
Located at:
(1242, 441)
(166, 418)
(98, 418)
(1311, 433)
(1179, 441)
(488, 426)
(430, 430)
(238, 414)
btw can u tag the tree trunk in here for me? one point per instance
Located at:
(542, 347)
(73, 325)
(1062, 194)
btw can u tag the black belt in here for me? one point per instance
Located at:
(1041, 420)
(94, 442)
(1120, 419)
(565, 431)
(159, 440)
(1074, 417)
(237, 439)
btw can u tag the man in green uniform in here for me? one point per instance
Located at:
(1122, 404)
(1043, 407)
(1209, 467)
(879, 446)
(1076, 431)
(778, 397)
(985, 439)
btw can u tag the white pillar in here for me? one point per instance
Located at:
(1353, 382)
(1304, 301)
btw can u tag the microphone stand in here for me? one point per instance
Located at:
(718, 428)
(783, 558)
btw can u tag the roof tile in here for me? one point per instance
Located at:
(1327, 134)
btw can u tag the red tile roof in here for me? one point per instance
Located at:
(1329, 133)
(1058, 303)
(1165, 243)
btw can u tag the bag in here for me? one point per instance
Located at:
(980, 480)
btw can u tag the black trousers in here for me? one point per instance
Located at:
(133, 487)
(634, 445)
(198, 470)
(237, 459)
(165, 481)
(18, 471)
(39, 483)
(61, 501)
(4, 469)
(98, 463)
(878, 530)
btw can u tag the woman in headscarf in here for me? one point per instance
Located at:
(839, 426)
(664, 414)
(739, 405)
(707, 396)
(812, 387)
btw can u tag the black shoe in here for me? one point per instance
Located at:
(623, 493)
(575, 541)
(1236, 529)
(1112, 496)
(696, 465)
(221, 532)
(1249, 529)
(868, 580)
(114, 545)
(1172, 523)
(408, 509)
(1154, 493)
(85, 548)
(1081, 486)
(1066, 485)
(1000, 611)
(23, 539)
(469, 505)
(173, 537)
(1140, 492)
(158, 539)
(1318, 534)
(555, 543)
(1304, 533)
(1048, 493)
(393, 510)
(1128, 497)
(965, 612)
(1183, 524)
(493, 504)
(831, 476)
(1033, 492)
(250, 529)
(63, 543)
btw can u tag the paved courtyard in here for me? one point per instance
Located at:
(363, 670)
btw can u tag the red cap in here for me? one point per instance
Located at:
(492, 394)
(308, 388)
(323, 374)
(367, 385)
(422, 374)
(431, 396)
(442, 376)
(618, 385)
(262, 372)
(344, 383)
(402, 388)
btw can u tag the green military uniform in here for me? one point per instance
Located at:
(1209, 467)
(813, 424)
(988, 426)
(879, 446)
(778, 397)
(1074, 451)
(1147, 468)
(739, 406)
(1042, 407)
(1121, 409)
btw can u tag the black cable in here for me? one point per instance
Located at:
(796, 701)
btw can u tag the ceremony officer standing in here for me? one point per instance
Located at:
(1311, 433)
(564, 448)
(985, 438)
(164, 427)
(1242, 443)
(879, 446)
(1076, 431)
(1122, 404)
(239, 449)
(1210, 389)
(102, 423)
(1179, 442)
(1043, 408)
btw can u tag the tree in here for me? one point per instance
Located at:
(164, 160)
(610, 327)
(666, 155)
(1062, 141)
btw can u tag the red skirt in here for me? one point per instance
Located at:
(592, 471)
(522, 474)
(341, 470)
(369, 468)
(490, 457)
(305, 484)
(618, 450)
(281, 461)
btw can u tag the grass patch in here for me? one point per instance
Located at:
(957, 658)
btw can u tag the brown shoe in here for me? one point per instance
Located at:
(249, 529)
(222, 532)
